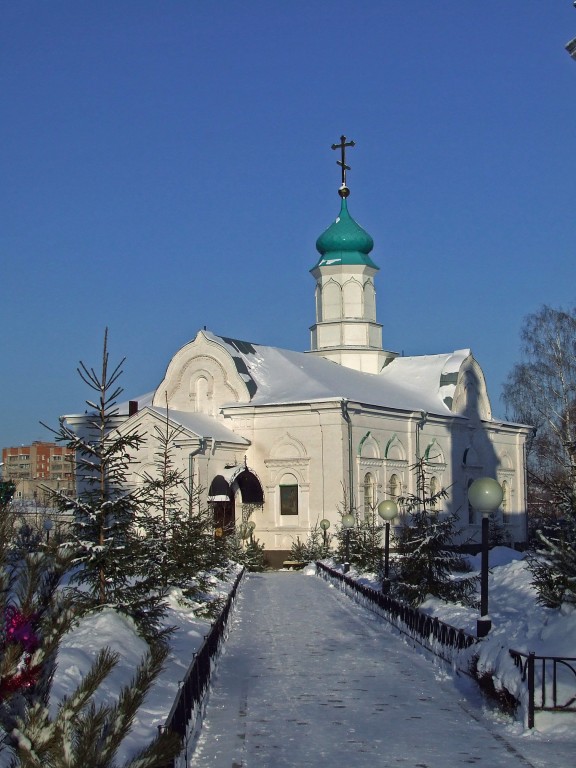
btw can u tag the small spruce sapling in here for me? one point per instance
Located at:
(426, 557)
(312, 549)
(179, 544)
(364, 538)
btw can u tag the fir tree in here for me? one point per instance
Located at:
(498, 535)
(364, 538)
(298, 551)
(426, 558)
(82, 734)
(7, 491)
(369, 540)
(244, 548)
(105, 511)
(164, 492)
(310, 550)
(178, 538)
(553, 564)
(36, 612)
(194, 554)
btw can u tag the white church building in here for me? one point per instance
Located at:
(291, 438)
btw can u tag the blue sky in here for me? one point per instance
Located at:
(166, 166)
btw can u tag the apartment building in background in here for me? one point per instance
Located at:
(39, 469)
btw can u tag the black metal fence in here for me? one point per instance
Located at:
(439, 637)
(550, 680)
(187, 705)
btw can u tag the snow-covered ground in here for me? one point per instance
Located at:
(517, 622)
(310, 678)
(107, 628)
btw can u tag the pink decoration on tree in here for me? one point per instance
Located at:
(20, 629)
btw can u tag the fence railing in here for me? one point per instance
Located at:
(428, 630)
(550, 680)
(187, 705)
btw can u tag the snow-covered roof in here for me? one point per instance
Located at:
(278, 376)
(201, 425)
(429, 372)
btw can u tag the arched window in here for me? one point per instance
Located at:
(369, 301)
(369, 494)
(394, 486)
(201, 394)
(331, 301)
(319, 317)
(434, 488)
(353, 296)
(505, 502)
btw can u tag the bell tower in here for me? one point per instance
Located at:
(346, 330)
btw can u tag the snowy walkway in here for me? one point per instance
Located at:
(308, 679)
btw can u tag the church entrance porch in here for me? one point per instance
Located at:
(225, 487)
(224, 513)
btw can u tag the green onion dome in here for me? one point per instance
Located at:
(344, 242)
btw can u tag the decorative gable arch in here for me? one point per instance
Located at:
(369, 448)
(434, 453)
(470, 395)
(201, 376)
(395, 449)
(288, 447)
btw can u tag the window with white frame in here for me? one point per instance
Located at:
(289, 495)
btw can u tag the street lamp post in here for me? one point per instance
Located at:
(485, 494)
(347, 523)
(387, 510)
(325, 524)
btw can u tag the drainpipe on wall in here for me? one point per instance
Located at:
(317, 412)
(348, 420)
(419, 427)
(201, 448)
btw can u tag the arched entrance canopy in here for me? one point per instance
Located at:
(223, 486)
(222, 492)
